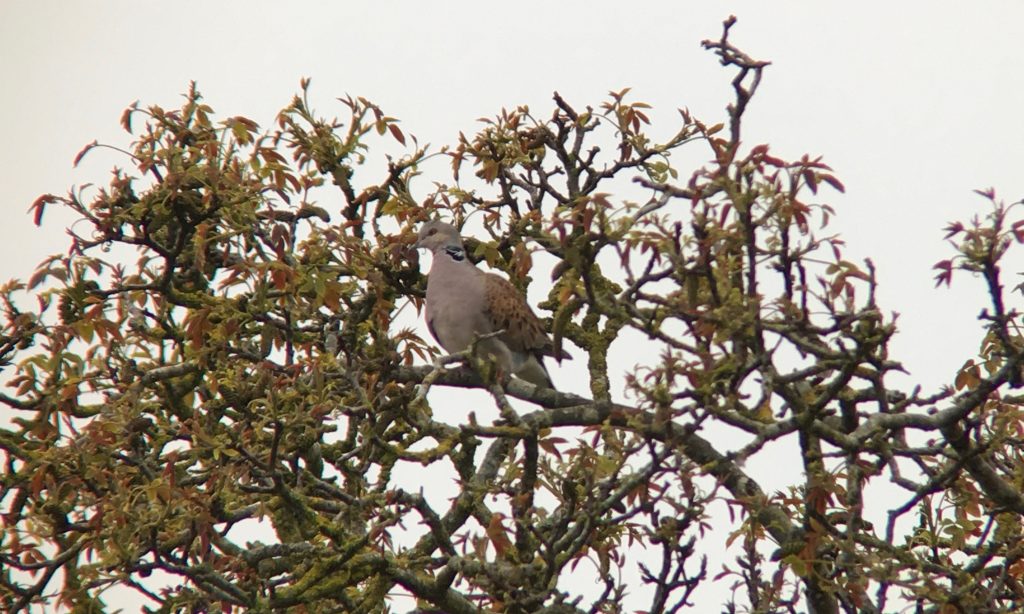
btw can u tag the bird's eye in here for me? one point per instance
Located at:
(432, 231)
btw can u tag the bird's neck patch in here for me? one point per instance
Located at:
(457, 253)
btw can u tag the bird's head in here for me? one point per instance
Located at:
(435, 235)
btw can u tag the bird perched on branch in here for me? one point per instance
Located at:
(465, 303)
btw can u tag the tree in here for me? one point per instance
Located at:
(215, 350)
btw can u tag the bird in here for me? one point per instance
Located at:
(465, 303)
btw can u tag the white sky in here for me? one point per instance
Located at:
(914, 104)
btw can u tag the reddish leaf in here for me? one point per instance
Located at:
(832, 181)
(990, 193)
(279, 277)
(618, 96)
(40, 204)
(196, 327)
(550, 445)
(498, 535)
(945, 275)
(85, 150)
(812, 180)
(724, 217)
(1018, 231)
(953, 229)
(126, 117)
(397, 133)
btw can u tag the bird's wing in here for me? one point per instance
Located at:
(509, 311)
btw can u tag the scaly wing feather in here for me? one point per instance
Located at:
(509, 311)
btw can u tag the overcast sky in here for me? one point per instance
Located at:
(914, 104)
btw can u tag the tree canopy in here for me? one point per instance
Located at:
(222, 347)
